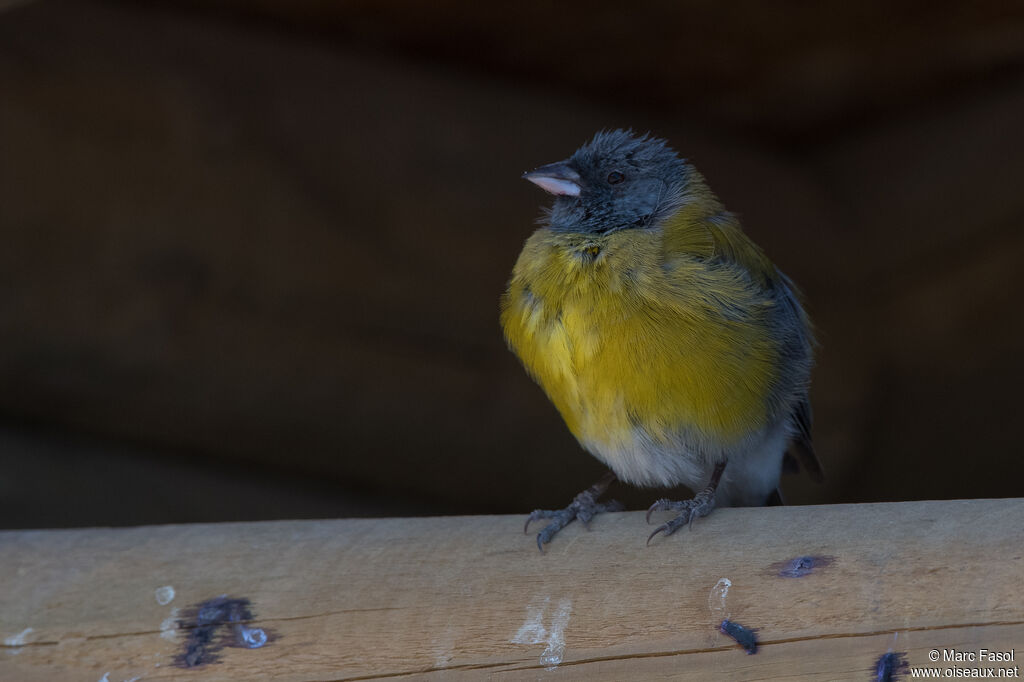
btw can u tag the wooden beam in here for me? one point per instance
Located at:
(829, 589)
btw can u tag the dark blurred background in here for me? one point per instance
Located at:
(251, 251)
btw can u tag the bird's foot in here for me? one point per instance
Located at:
(701, 505)
(583, 507)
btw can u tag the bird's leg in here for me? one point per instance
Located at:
(701, 505)
(583, 507)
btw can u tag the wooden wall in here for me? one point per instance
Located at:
(264, 243)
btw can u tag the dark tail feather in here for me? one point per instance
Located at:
(803, 452)
(801, 449)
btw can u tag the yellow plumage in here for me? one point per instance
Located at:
(634, 327)
(667, 348)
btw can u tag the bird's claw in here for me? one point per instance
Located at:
(583, 507)
(661, 505)
(536, 515)
(548, 532)
(663, 528)
(690, 512)
(700, 505)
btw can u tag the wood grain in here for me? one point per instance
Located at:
(471, 598)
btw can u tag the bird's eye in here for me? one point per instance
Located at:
(615, 177)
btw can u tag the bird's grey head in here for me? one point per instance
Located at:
(616, 181)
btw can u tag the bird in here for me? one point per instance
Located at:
(674, 349)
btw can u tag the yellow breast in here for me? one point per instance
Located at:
(627, 331)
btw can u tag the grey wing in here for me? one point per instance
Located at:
(798, 352)
(801, 449)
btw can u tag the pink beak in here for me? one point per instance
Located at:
(557, 178)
